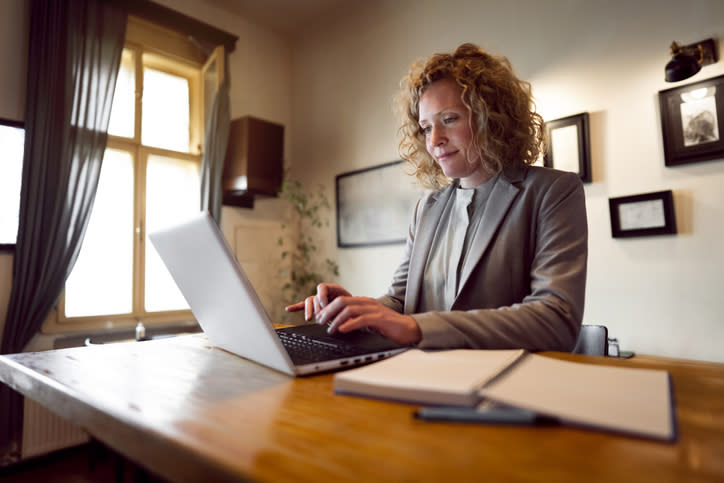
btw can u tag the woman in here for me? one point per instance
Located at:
(496, 255)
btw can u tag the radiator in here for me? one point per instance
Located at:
(44, 432)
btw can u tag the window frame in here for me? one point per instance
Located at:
(10, 247)
(146, 54)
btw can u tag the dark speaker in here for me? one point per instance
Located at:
(254, 163)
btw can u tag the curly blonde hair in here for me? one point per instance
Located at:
(509, 131)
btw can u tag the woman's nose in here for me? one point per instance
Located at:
(437, 136)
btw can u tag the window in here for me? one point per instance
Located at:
(12, 139)
(150, 177)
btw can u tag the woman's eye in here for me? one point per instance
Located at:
(449, 120)
(425, 130)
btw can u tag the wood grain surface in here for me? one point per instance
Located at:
(190, 412)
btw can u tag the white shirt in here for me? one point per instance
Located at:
(453, 237)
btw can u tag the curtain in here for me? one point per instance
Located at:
(216, 134)
(74, 56)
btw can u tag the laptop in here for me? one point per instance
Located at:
(231, 315)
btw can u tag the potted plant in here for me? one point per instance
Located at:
(302, 265)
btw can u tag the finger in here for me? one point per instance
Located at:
(308, 308)
(317, 309)
(295, 307)
(352, 305)
(356, 313)
(322, 295)
(348, 314)
(331, 312)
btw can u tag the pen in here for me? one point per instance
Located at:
(474, 415)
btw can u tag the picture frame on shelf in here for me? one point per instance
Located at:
(568, 145)
(692, 122)
(643, 215)
(374, 205)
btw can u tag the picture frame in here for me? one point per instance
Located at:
(374, 205)
(568, 145)
(692, 122)
(643, 215)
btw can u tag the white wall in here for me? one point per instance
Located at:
(658, 295)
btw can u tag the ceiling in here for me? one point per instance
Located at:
(287, 17)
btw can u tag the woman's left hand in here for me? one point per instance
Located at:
(348, 313)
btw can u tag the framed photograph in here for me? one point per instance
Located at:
(643, 215)
(374, 205)
(691, 122)
(568, 146)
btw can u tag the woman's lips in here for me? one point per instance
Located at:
(443, 156)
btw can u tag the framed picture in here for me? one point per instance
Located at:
(568, 146)
(643, 215)
(691, 122)
(374, 205)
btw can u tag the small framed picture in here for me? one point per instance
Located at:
(643, 215)
(568, 145)
(691, 122)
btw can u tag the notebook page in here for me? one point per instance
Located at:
(628, 400)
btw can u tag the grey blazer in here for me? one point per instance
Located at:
(525, 284)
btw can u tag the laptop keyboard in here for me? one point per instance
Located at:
(305, 350)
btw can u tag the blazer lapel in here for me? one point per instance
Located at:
(424, 236)
(497, 206)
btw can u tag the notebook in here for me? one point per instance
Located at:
(620, 398)
(231, 315)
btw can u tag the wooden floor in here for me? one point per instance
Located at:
(90, 463)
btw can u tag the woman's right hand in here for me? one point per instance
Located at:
(312, 305)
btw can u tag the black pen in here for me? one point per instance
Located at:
(475, 415)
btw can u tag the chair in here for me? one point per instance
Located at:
(592, 340)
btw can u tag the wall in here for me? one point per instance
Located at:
(657, 295)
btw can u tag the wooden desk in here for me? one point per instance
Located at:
(189, 412)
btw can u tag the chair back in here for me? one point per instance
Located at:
(592, 340)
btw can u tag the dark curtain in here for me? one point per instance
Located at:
(73, 60)
(216, 134)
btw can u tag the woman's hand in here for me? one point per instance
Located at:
(312, 305)
(347, 313)
(335, 306)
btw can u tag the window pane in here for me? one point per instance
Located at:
(102, 280)
(172, 195)
(124, 99)
(11, 173)
(165, 110)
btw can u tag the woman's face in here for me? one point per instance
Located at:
(446, 123)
